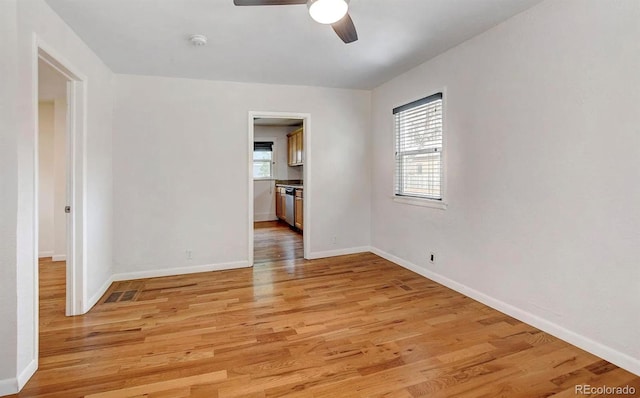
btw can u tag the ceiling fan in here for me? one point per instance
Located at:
(328, 12)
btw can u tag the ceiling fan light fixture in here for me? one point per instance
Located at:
(327, 11)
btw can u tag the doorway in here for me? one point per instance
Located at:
(279, 164)
(52, 188)
(59, 96)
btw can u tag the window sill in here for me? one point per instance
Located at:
(435, 204)
(264, 179)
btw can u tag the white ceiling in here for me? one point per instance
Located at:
(277, 44)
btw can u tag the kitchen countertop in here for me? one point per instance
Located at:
(297, 184)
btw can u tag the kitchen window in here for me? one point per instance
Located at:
(262, 160)
(419, 171)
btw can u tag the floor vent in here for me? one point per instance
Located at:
(123, 291)
(113, 297)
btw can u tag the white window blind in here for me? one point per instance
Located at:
(418, 169)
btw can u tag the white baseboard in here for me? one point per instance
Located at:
(339, 252)
(47, 253)
(59, 257)
(259, 217)
(26, 373)
(614, 356)
(125, 276)
(96, 296)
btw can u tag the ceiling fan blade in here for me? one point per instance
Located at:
(345, 29)
(268, 2)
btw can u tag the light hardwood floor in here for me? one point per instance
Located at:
(274, 240)
(350, 326)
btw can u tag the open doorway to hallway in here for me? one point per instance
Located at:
(52, 182)
(278, 188)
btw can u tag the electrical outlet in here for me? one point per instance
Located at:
(432, 258)
(188, 254)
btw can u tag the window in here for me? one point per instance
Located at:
(418, 128)
(262, 160)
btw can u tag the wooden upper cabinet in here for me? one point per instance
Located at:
(291, 148)
(299, 148)
(295, 142)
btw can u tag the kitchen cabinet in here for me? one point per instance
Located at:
(280, 203)
(295, 144)
(295, 206)
(279, 212)
(291, 146)
(299, 148)
(299, 212)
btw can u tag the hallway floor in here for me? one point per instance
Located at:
(275, 241)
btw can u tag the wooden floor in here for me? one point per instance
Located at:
(350, 326)
(275, 240)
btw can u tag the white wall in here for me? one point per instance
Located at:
(60, 180)
(52, 179)
(264, 204)
(19, 22)
(8, 196)
(52, 84)
(181, 169)
(543, 164)
(45, 178)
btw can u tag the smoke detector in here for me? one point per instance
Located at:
(198, 40)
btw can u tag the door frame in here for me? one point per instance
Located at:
(76, 124)
(306, 125)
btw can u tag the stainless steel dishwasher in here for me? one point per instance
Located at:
(289, 208)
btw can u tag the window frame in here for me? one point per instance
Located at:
(272, 162)
(417, 200)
